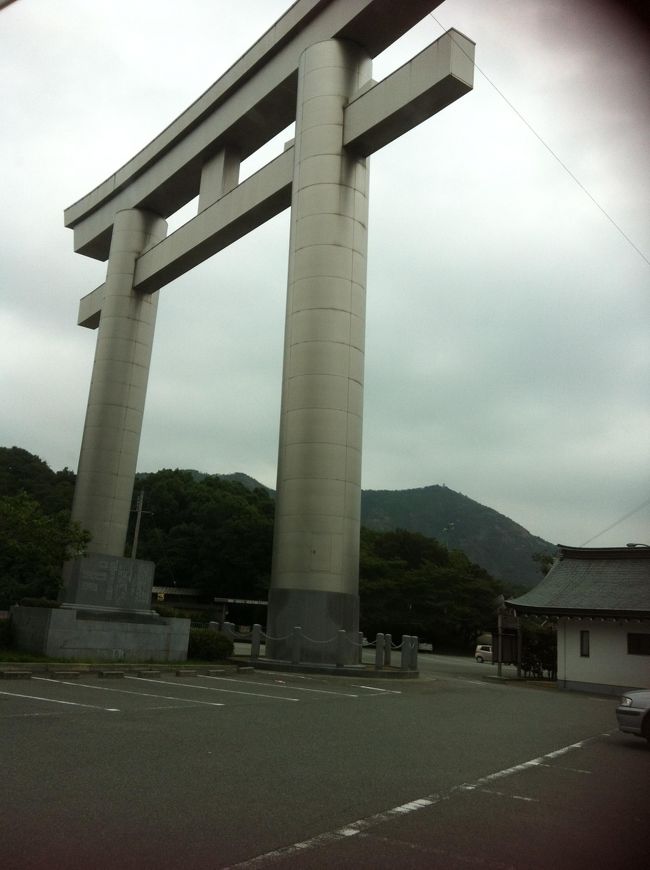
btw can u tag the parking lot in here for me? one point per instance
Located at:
(251, 769)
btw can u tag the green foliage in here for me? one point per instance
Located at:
(21, 471)
(410, 584)
(538, 648)
(207, 645)
(33, 547)
(544, 560)
(216, 535)
(207, 533)
(490, 539)
(39, 602)
(6, 638)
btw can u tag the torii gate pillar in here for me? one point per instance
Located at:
(315, 575)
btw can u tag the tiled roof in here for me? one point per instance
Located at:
(613, 581)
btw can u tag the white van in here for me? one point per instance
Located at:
(483, 653)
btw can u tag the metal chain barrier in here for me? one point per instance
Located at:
(383, 644)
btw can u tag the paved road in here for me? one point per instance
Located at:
(268, 770)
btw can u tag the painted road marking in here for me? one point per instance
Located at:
(291, 688)
(378, 690)
(55, 701)
(361, 825)
(211, 689)
(126, 692)
(563, 767)
(514, 797)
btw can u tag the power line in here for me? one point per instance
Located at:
(548, 147)
(591, 197)
(618, 522)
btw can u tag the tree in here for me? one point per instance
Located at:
(539, 647)
(21, 471)
(33, 548)
(544, 560)
(411, 584)
(207, 533)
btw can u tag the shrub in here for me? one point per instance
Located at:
(39, 602)
(5, 634)
(208, 645)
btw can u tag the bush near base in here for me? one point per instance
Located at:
(5, 634)
(208, 645)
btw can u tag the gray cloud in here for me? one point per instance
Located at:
(507, 351)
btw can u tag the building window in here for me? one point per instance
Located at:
(638, 644)
(584, 644)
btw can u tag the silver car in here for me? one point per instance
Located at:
(633, 714)
(483, 653)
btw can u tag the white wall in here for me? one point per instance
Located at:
(608, 663)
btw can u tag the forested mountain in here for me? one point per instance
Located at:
(491, 540)
(214, 532)
(501, 546)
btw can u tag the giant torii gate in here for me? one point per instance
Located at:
(314, 66)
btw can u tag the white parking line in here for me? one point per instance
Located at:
(291, 688)
(56, 701)
(514, 797)
(362, 825)
(211, 689)
(569, 769)
(378, 689)
(127, 692)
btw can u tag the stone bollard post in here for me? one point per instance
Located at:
(409, 653)
(256, 639)
(414, 652)
(406, 652)
(379, 652)
(295, 645)
(388, 648)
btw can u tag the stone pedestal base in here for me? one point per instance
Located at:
(320, 615)
(69, 633)
(105, 615)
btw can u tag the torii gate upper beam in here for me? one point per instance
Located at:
(253, 101)
(427, 83)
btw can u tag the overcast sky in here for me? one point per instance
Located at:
(508, 351)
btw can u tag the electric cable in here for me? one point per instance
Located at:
(613, 525)
(548, 148)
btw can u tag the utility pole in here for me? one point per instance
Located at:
(138, 517)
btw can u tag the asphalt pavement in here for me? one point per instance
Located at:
(264, 769)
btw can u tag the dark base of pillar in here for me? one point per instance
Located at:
(320, 615)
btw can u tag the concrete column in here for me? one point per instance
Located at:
(111, 438)
(315, 575)
(219, 175)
